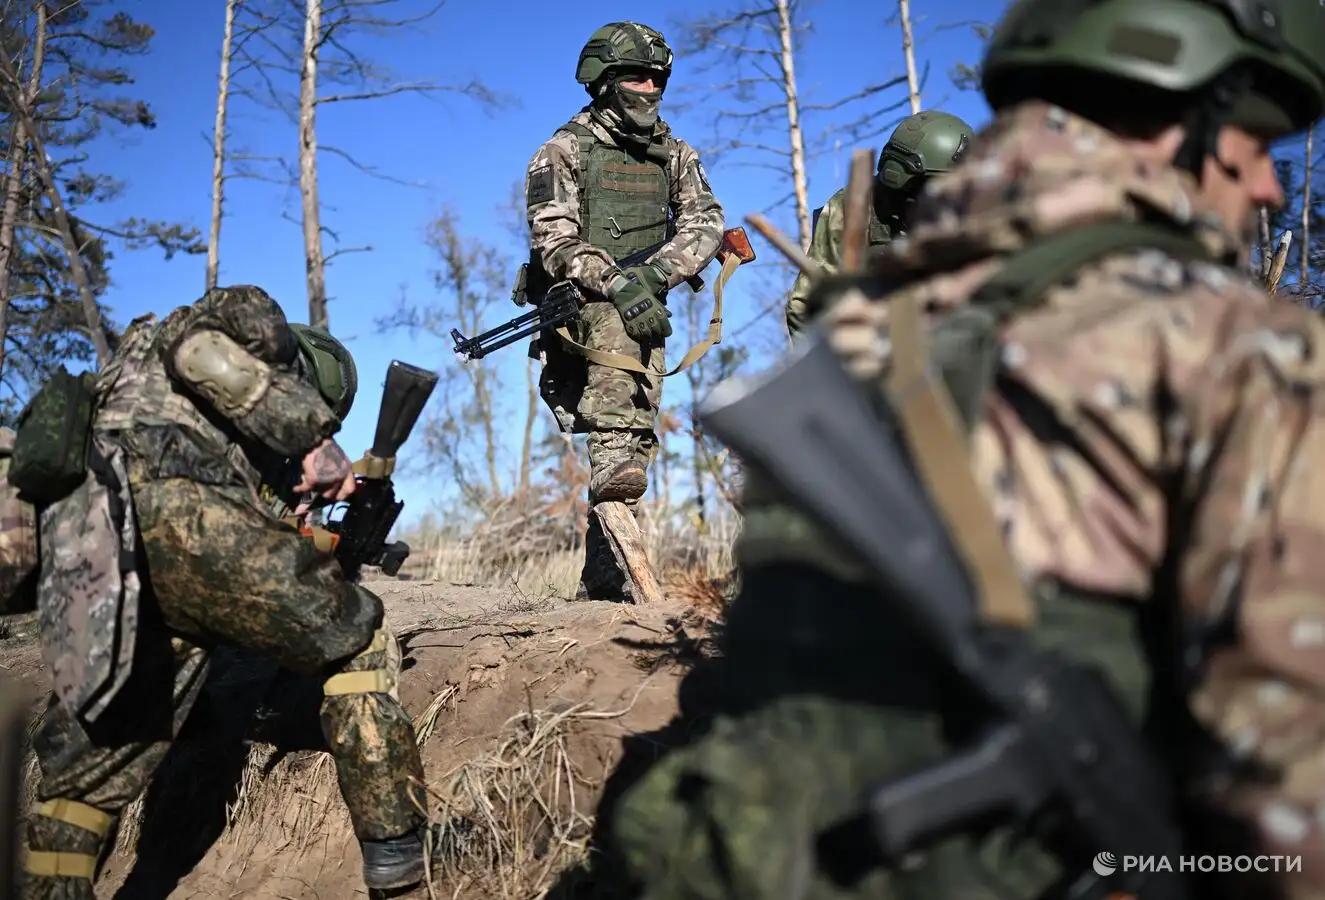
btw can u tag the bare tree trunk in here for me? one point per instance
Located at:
(795, 133)
(96, 331)
(527, 445)
(1304, 268)
(18, 103)
(314, 261)
(14, 177)
(218, 147)
(909, 53)
(695, 375)
(664, 466)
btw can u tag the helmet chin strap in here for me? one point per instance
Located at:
(1204, 121)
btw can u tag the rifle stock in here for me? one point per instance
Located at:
(359, 537)
(1059, 753)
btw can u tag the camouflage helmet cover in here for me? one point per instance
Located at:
(1177, 46)
(924, 144)
(623, 45)
(330, 366)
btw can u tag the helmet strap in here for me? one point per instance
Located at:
(1205, 119)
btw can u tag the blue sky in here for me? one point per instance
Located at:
(463, 156)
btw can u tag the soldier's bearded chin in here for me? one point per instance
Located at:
(638, 109)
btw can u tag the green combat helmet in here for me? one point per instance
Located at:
(1208, 63)
(331, 367)
(622, 45)
(925, 144)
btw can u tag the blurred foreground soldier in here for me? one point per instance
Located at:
(613, 181)
(926, 144)
(182, 420)
(1146, 424)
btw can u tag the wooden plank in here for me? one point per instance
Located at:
(623, 535)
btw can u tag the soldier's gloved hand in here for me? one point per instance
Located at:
(326, 471)
(642, 313)
(650, 276)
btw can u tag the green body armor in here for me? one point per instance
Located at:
(624, 201)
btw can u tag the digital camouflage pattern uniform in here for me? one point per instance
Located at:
(603, 186)
(1151, 448)
(190, 408)
(922, 146)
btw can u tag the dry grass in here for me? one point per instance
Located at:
(521, 796)
(507, 549)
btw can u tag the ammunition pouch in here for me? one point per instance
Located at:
(54, 438)
(520, 293)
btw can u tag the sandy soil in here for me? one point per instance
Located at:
(521, 704)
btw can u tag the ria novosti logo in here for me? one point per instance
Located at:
(1105, 864)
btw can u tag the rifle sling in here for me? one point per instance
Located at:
(692, 356)
(930, 419)
(930, 422)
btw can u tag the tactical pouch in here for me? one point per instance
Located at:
(54, 438)
(520, 293)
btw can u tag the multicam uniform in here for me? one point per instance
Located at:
(186, 409)
(602, 187)
(1149, 445)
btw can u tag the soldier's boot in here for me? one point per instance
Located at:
(67, 841)
(404, 861)
(625, 481)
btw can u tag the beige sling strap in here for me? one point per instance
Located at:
(931, 425)
(620, 361)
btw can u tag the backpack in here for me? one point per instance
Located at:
(18, 540)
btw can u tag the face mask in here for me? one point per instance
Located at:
(638, 109)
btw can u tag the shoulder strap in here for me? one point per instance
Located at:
(930, 419)
(1029, 273)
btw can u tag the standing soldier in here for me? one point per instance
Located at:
(610, 182)
(1144, 427)
(166, 550)
(926, 144)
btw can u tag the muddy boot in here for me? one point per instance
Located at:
(627, 480)
(399, 862)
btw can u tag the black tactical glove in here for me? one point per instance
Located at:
(641, 311)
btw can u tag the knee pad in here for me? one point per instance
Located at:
(383, 680)
(61, 864)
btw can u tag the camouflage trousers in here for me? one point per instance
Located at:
(617, 409)
(221, 571)
(821, 699)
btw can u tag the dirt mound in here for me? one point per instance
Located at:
(521, 706)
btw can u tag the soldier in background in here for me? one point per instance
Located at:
(926, 144)
(168, 551)
(1146, 425)
(611, 181)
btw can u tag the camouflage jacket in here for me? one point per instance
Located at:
(826, 249)
(554, 224)
(1153, 420)
(142, 386)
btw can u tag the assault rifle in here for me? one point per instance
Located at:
(1059, 756)
(359, 537)
(559, 304)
